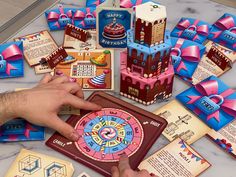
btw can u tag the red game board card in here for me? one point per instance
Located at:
(118, 128)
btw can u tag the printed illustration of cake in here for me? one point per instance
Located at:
(114, 30)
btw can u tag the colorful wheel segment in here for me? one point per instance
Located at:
(109, 133)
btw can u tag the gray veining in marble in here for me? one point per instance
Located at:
(223, 165)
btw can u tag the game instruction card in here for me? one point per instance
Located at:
(29, 163)
(225, 138)
(37, 46)
(216, 61)
(181, 123)
(112, 26)
(92, 70)
(176, 159)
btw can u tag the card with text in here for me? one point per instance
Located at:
(176, 159)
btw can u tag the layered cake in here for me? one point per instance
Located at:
(114, 30)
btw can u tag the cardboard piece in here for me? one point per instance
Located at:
(11, 60)
(37, 46)
(29, 163)
(118, 128)
(176, 159)
(76, 33)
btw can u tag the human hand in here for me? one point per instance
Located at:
(124, 170)
(41, 104)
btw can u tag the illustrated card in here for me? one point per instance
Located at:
(117, 128)
(112, 26)
(225, 138)
(93, 70)
(37, 46)
(20, 130)
(216, 61)
(29, 163)
(176, 159)
(181, 123)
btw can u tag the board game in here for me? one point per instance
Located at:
(93, 70)
(117, 128)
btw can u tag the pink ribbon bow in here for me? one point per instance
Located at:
(191, 54)
(209, 88)
(224, 24)
(185, 24)
(129, 4)
(54, 16)
(11, 53)
(80, 15)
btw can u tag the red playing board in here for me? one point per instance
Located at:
(106, 134)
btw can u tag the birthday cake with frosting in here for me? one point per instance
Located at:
(114, 30)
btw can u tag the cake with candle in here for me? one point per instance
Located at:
(114, 30)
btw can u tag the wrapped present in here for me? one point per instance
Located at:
(11, 60)
(20, 130)
(212, 100)
(131, 3)
(85, 18)
(94, 3)
(224, 31)
(58, 18)
(185, 56)
(192, 29)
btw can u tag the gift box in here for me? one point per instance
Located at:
(192, 29)
(85, 18)
(20, 130)
(94, 3)
(57, 19)
(185, 56)
(212, 100)
(224, 31)
(11, 60)
(131, 3)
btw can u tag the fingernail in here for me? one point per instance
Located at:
(73, 79)
(59, 73)
(152, 174)
(75, 136)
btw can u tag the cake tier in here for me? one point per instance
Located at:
(148, 61)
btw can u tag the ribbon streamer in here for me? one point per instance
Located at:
(80, 15)
(129, 4)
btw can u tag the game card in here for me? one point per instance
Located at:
(37, 46)
(93, 70)
(181, 123)
(176, 159)
(225, 138)
(216, 61)
(29, 163)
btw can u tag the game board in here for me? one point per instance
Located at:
(93, 70)
(107, 134)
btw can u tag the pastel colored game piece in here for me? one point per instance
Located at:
(131, 3)
(11, 60)
(94, 3)
(192, 29)
(112, 25)
(85, 18)
(212, 100)
(99, 81)
(20, 130)
(117, 128)
(185, 55)
(57, 19)
(224, 31)
(88, 67)
(29, 163)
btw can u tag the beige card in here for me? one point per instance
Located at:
(220, 62)
(181, 123)
(37, 46)
(225, 138)
(33, 164)
(65, 110)
(42, 69)
(175, 160)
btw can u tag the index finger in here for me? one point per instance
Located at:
(124, 163)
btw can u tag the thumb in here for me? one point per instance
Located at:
(64, 129)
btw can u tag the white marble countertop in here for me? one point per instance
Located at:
(222, 163)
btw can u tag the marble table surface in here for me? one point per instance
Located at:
(222, 163)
